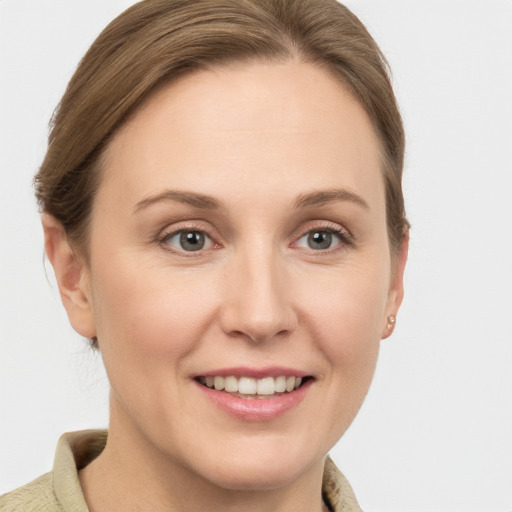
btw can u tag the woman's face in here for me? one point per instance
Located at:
(239, 234)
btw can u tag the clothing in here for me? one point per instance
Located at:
(60, 491)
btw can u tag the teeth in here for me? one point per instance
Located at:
(249, 386)
(218, 382)
(231, 384)
(266, 386)
(280, 384)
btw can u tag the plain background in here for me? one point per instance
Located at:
(435, 433)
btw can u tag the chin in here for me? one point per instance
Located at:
(260, 469)
(248, 477)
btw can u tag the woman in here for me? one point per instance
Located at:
(222, 208)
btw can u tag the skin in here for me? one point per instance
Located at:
(256, 138)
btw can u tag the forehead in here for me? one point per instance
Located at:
(279, 126)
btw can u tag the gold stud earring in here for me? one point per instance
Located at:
(391, 323)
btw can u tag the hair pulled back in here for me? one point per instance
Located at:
(156, 41)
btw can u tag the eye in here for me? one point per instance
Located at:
(188, 240)
(321, 239)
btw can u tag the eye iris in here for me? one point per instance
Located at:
(320, 240)
(192, 240)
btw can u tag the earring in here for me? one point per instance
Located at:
(391, 323)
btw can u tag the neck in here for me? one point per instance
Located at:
(131, 475)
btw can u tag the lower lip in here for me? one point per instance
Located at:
(256, 409)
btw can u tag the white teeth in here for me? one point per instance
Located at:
(280, 384)
(266, 386)
(218, 382)
(249, 386)
(231, 384)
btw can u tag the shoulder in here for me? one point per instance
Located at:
(336, 490)
(59, 490)
(37, 496)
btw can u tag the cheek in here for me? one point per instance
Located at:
(343, 313)
(149, 324)
(348, 318)
(151, 312)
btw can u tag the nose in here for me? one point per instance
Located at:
(257, 303)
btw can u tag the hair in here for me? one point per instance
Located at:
(156, 41)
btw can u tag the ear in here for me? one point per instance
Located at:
(396, 290)
(72, 277)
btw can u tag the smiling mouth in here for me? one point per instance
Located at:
(250, 388)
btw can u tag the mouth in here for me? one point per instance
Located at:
(255, 394)
(253, 388)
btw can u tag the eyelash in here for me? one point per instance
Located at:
(165, 236)
(344, 236)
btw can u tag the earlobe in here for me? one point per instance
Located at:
(72, 277)
(396, 291)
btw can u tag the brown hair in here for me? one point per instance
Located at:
(155, 41)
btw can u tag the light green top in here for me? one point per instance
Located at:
(60, 491)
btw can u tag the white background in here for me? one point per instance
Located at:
(435, 433)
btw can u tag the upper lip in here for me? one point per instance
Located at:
(255, 373)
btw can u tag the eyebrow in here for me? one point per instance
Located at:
(205, 202)
(194, 199)
(323, 197)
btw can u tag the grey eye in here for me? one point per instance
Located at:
(319, 240)
(189, 241)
